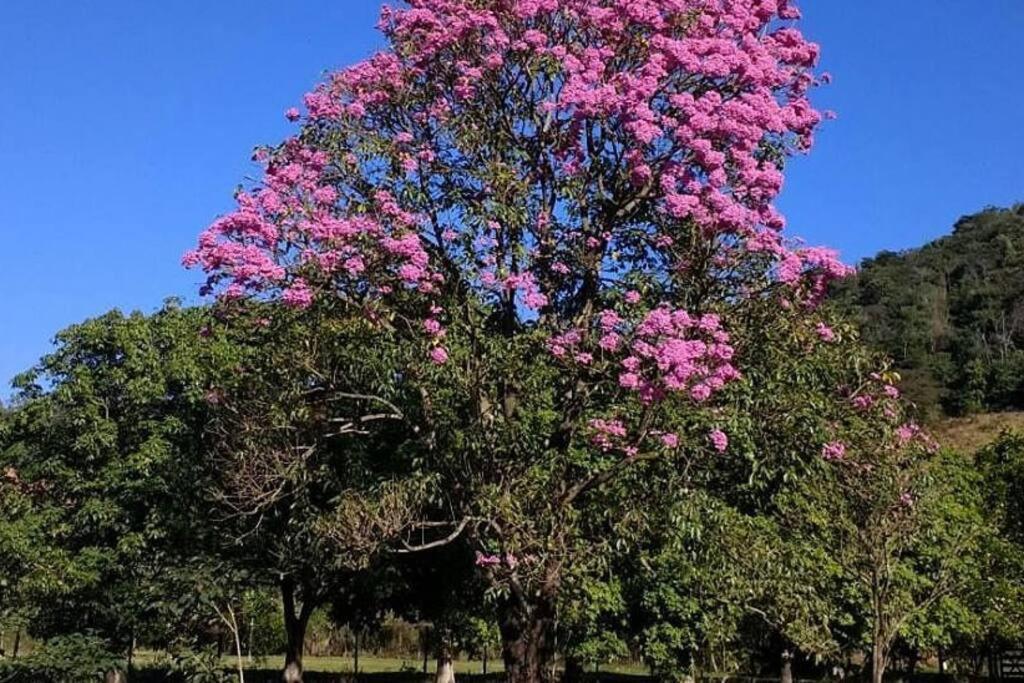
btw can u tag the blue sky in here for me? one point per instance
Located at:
(125, 126)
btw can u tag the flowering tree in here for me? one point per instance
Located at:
(904, 522)
(562, 210)
(721, 570)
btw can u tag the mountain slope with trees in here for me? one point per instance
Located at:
(951, 314)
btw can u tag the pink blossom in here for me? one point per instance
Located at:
(439, 355)
(609, 320)
(629, 380)
(906, 432)
(826, 333)
(560, 268)
(609, 427)
(674, 352)
(863, 401)
(610, 342)
(835, 450)
(719, 440)
(298, 295)
(483, 560)
(607, 432)
(292, 114)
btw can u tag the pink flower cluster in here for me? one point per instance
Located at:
(834, 450)
(808, 271)
(491, 560)
(290, 229)
(674, 112)
(878, 393)
(672, 351)
(699, 89)
(667, 351)
(608, 434)
(912, 433)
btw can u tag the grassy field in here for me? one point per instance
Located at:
(373, 664)
(369, 664)
(971, 433)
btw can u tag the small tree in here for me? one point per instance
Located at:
(903, 521)
(304, 437)
(723, 575)
(106, 434)
(997, 598)
(30, 564)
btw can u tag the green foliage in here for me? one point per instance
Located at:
(594, 620)
(75, 658)
(106, 439)
(906, 535)
(721, 577)
(1000, 594)
(950, 313)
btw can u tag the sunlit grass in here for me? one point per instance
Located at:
(369, 664)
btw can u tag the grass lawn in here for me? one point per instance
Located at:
(369, 664)
(373, 664)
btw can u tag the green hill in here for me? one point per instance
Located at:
(951, 314)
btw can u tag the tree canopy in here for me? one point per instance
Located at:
(950, 314)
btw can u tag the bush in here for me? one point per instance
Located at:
(66, 659)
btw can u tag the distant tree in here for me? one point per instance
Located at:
(105, 438)
(306, 439)
(904, 525)
(30, 565)
(949, 314)
(723, 576)
(998, 597)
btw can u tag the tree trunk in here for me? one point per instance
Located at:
(879, 658)
(787, 666)
(355, 651)
(238, 643)
(116, 676)
(573, 670)
(527, 642)
(131, 657)
(295, 629)
(445, 669)
(17, 642)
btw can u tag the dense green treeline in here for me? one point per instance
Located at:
(951, 314)
(176, 484)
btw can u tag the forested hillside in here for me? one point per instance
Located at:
(951, 314)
